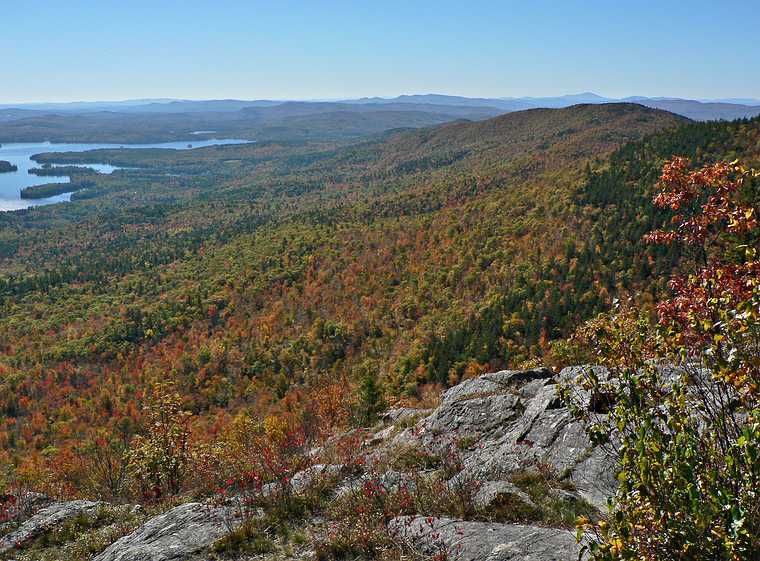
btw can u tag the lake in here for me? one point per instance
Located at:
(20, 154)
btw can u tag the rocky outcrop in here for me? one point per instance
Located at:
(489, 492)
(458, 540)
(45, 520)
(397, 415)
(20, 506)
(173, 536)
(503, 427)
(510, 421)
(303, 479)
(390, 480)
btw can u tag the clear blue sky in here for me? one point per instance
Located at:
(62, 50)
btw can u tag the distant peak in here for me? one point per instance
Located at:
(586, 94)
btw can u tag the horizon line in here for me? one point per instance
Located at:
(735, 99)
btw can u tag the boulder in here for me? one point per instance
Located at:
(546, 434)
(45, 520)
(477, 407)
(397, 415)
(486, 429)
(174, 535)
(489, 492)
(483, 541)
(494, 383)
(303, 479)
(465, 418)
(390, 480)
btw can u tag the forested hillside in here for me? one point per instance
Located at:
(254, 275)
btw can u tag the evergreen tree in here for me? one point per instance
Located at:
(371, 399)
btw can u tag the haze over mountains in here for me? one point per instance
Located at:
(698, 109)
(166, 120)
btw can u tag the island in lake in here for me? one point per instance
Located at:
(7, 167)
(59, 171)
(53, 189)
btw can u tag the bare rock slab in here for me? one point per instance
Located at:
(483, 541)
(44, 521)
(174, 535)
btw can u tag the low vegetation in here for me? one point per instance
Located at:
(687, 437)
(82, 537)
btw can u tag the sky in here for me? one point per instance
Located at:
(56, 50)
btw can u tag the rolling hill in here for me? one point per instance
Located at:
(253, 274)
(254, 269)
(698, 110)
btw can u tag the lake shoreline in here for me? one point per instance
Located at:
(37, 179)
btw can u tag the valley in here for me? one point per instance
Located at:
(380, 281)
(283, 279)
(272, 266)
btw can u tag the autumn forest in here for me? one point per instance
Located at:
(317, 281)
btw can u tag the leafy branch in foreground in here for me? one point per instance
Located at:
(686, 435)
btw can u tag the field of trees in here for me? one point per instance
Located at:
(254, 275)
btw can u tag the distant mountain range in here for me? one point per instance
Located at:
(182, 120)
(161, 120)
(697, 109)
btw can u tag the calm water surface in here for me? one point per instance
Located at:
(20, 155)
